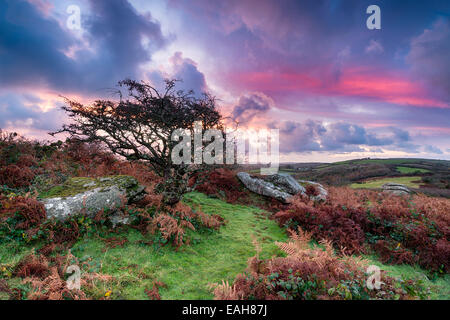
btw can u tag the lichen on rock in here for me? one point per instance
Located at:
(88, 196)
(396, 189)
(280, 186)
(76, 185)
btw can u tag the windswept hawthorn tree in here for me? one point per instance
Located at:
(139, 127)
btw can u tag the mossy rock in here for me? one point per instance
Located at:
(76, 185)
(88, 196)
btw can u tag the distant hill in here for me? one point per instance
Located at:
(429, 176)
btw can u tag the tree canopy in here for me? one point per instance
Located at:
(139, 126)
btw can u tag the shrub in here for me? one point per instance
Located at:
(311, 190)
(44, 278)
(170, 225)
(17, 160)
(16, 177)
(20, 216)
(222, 183)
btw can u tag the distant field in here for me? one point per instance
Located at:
(384, 161)
(398, 161)
(407, 170)
(394, 161)
(377, 183)
(285, 171)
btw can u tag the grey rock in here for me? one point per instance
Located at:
(87, 196)
(396, 189)
(286, 181)
(119, 218)
(264, 188)
(280, 186)
(323, 193)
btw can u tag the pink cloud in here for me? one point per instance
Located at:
(351, 82)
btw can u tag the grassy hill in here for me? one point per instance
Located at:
(429, 176)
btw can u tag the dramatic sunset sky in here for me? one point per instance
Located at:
(334, 88)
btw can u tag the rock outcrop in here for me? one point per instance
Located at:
(285, 181)
(322, 192)
(396, 188)
(88, 196)
(279, 186)
(264, 188)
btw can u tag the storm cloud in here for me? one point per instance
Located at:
(36, 51)
(344, 137)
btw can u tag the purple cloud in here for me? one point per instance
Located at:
(190, 77)
(313, 135)
(250, 106)
(430, 59)
(433, 149)
(22, 111)
(32, 47)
